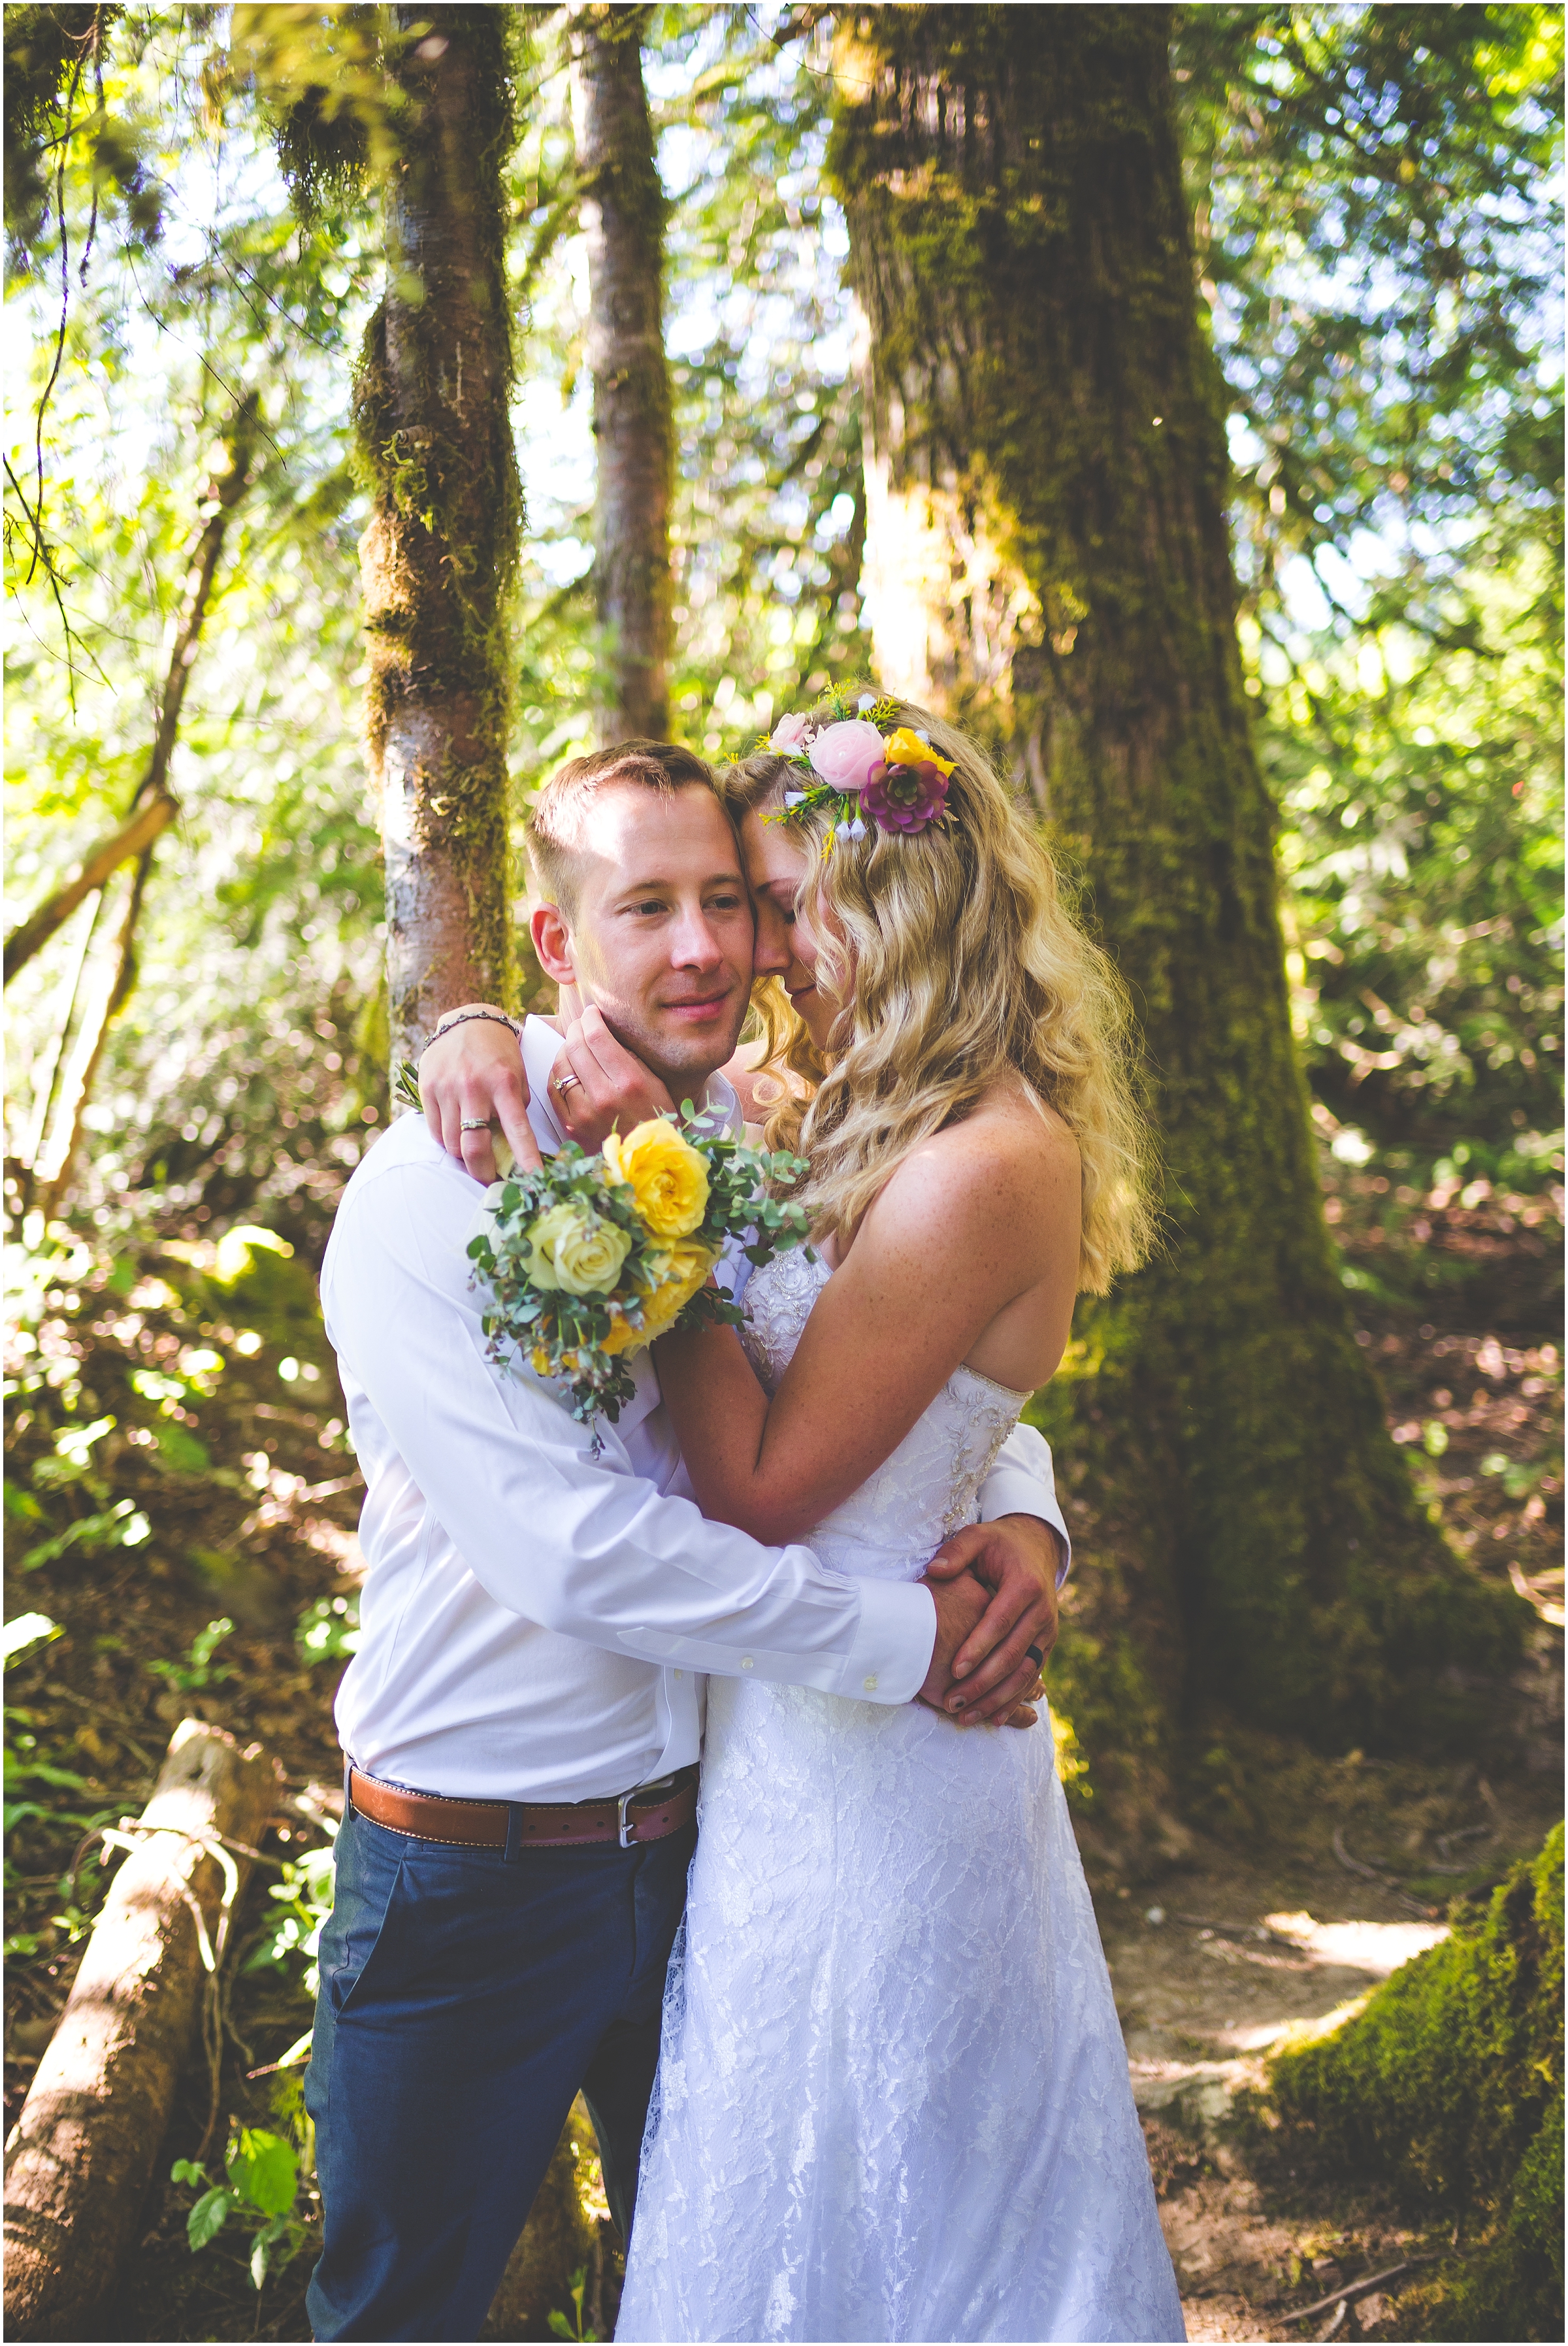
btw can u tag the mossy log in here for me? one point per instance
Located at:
(82, 2149)
(1048, 482)
(1448, 2085)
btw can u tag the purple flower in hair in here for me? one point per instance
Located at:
(905, 798)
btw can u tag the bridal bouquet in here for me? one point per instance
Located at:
(585, 1261)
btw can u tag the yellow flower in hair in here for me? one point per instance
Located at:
(667, 1176)
(906, 748)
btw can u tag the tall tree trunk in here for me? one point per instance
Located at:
(623, 218)
(439, 555)
(1046, 484)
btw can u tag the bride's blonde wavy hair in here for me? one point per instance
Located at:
(953, 959)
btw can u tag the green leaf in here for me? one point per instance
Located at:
(207, 2218)
(186, 2170)
(263, 2168)
(182, 1452)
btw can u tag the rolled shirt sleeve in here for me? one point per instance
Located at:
(1022, 1482)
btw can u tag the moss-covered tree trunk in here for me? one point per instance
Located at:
(438, 557)
(623, 217)
(1046, 487)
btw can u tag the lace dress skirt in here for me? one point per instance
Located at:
(892, 2100)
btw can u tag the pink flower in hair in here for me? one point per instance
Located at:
(905, 798)
(788, 734)
(843, 755)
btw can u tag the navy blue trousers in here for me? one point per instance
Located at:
(464, 2003)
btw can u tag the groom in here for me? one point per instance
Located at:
(522, 1720)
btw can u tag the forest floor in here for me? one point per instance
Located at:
(181, 1502)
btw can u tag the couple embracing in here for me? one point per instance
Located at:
(850, 2048)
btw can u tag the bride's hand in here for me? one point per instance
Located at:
(607, 1087)
(472, 1075)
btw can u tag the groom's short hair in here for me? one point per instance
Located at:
(555, 821)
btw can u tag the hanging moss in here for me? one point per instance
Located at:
(1048, 476)
(1449, 2085)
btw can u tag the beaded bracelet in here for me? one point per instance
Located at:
(460, 1017)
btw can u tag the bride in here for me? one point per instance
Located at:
(893, 2100)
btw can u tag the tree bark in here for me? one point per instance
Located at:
(438, 557)
(83, 2150)
(1047, 481)
(623, 219)
(153, 807)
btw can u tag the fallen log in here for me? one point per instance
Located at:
(82, 2149)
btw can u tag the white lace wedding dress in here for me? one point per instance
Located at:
(893, 2100)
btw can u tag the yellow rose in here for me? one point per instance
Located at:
(667, 1176)
(906, 748)
(573, 1248)
(676, 1273)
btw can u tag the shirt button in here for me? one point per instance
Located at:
(678, 1674)
(870, 1682)
(745, 1661)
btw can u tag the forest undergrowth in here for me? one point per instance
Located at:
(181, 1500)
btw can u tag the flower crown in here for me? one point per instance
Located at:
(852, 768)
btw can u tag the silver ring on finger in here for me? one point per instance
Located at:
(474, 1124)
(564, 1083)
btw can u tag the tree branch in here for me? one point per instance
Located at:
(154, 806)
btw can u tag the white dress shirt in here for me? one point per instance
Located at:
(536, 1622)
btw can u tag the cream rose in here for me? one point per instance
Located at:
(573, 1248)
(665, 1175)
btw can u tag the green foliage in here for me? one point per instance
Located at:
(559, 2324)
(1369, 187)
(303, 1893)
(198, 1669)
(261, 2186)
(1449, 2084)
(53, 83)
(328, 1629)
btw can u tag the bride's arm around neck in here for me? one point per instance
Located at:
(969, 1255)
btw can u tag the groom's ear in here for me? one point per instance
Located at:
(553, 943)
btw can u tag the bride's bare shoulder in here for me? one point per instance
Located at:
(1012, 1157)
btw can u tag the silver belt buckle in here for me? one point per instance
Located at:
(627, 1827)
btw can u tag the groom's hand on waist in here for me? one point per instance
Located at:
(1016, 1559)
(962, 1607)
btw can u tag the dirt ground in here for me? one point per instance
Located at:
(1214, 1965)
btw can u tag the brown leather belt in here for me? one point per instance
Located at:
(511, 1826)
